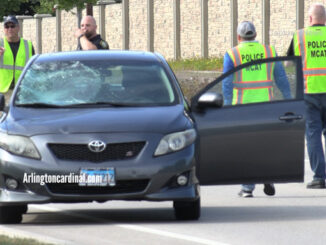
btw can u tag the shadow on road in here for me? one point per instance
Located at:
(259, 213)
(82, 216)
(159, 215)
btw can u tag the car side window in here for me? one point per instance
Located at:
(259, 82)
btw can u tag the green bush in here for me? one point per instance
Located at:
(197, 64)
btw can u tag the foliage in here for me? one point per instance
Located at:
(30, 7)
(192, 82)
(8, 7)
(47, 5)
(19, 241)
(197, 64)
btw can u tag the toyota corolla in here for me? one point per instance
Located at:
(114, 125)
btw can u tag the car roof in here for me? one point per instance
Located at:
(100, 55)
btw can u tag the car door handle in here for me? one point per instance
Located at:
(290, 117)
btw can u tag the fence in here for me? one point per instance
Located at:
(175, 28)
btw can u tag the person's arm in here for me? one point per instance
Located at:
(2, 50)
(84, 43)
(281, 80)
(227, 83)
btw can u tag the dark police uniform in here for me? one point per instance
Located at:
(97, 41)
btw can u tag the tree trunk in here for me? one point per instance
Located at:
(89, 9)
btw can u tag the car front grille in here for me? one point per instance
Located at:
(121, 187)
(81, 152)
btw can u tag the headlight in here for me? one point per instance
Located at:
(18, 145)
(175, 142)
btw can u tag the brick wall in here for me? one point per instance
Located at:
(163, 28)
(190, 28)
(68, 29)
(48, 41)
(113, 25)
(138, 25)
(29, 31)
(283, 24)
(219, 27)
(282, 19)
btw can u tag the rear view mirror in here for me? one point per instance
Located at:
(210, 99)
(2, 102)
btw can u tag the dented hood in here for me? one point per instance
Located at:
(36, 121)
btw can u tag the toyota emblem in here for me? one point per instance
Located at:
(96, 146)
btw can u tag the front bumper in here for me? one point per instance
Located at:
(160, 174)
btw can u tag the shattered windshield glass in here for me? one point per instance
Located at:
(64, 83)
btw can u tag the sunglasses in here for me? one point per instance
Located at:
(10, 26)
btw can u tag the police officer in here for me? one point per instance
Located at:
(310, 44)
(88, 39)
(14, 54)
(240, 89)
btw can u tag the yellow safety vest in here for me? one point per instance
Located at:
(254, 83)
(9, 68)
(310, 44)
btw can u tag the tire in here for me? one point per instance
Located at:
(187, 210)
(22, 208)
(11, 214)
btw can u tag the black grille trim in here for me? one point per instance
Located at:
(112, 152)
(121, 187)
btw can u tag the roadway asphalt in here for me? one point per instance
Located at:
(295, 215)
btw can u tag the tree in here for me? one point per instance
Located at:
(30, 7)
(8, 7)
(47, 5)
(65, 4)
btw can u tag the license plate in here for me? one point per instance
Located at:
(97, 177)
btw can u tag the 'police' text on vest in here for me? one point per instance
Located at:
(317, 51)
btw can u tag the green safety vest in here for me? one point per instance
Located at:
(310, 44)
(10, 69)
(254, 83)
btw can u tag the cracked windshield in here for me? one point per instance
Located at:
(67, 83)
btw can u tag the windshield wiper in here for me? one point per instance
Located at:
(39, 105)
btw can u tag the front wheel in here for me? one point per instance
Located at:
(187, 210)
(22, 208)
(12, 214)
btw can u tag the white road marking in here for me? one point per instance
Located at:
(172, 235)
(136, 227)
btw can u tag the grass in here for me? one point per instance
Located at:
(5, 240)
(197, 64)
(190, 86)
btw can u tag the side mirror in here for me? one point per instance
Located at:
(210, 99)
(2, 102)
